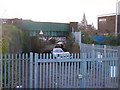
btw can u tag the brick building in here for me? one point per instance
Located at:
(14, 21)
(110, 23)
(107, 23)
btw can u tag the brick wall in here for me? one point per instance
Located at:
(107, 24)
(74, 25)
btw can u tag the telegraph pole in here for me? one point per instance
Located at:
(116, 20)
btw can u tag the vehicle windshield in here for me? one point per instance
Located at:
(57, 50)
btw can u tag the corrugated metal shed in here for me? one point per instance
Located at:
(49, 28)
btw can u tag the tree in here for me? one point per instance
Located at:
(112, 40)
(69, 42)
(12, 39)
(4, 45)
(86, 38)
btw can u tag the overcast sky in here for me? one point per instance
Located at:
(64, 11)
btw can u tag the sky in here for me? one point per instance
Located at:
(63, 11)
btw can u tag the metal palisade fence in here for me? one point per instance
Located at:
(81, 70)
(15, 70)
(87, 48)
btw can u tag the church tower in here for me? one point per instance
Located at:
(84, 21)
(84, 25)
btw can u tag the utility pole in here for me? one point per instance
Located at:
(116, 20)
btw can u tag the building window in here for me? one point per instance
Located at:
(102, 20)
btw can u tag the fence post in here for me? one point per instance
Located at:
(105, 51)
(84, 73)
(93, 51)
(119, 67)
(36, 72)
(31, 69)
(80, 40)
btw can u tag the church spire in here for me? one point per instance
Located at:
(84, 17)
(84, 21)
(84, 25)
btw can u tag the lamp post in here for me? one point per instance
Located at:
(117, 14)
(116, 21)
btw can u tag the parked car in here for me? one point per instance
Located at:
(59, 53)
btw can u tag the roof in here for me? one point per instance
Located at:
(44, 26)
(104, 15)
